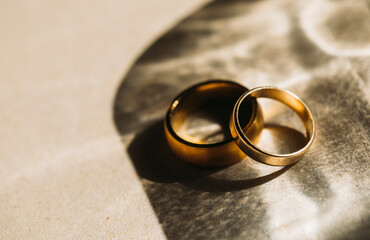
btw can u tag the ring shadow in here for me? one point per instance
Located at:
(155, 161)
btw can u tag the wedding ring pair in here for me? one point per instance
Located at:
(235, 104)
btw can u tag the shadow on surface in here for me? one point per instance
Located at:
(154, 160)
(234, 40)
(195, 203)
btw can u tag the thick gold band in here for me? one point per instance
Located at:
(220, 94)
(242, 137)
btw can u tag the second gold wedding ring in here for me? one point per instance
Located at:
(289, 99)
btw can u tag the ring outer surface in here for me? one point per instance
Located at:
(250, 149)
(217, 154)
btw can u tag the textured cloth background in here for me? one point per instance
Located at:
(82, 153)
(64, 171)
(318, 50)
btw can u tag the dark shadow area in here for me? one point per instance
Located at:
(192, 43)
(196, 203)
(255, 43)
(155, 161)
(219, 185)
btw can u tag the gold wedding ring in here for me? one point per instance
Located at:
(241, 134)
(221, 96)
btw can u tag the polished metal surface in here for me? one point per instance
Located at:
(241, 136)
(215, 100)
(317, 49)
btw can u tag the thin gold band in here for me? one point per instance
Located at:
(249, 148)
(197, 97)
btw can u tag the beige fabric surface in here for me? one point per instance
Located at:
(64, 170)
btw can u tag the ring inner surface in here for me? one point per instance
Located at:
(280, 139)
(297, 106)
(201, 115)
